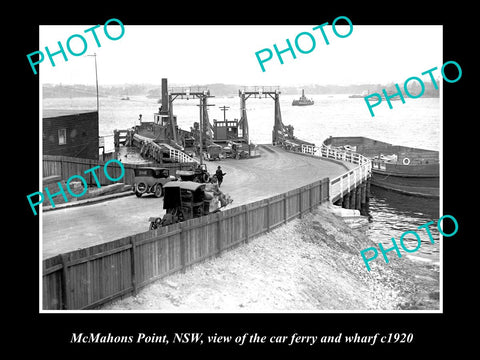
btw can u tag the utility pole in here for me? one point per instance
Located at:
(96, 78)
(224, 109)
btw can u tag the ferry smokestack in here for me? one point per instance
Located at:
(165, 104)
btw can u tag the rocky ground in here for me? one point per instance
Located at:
(309, 264)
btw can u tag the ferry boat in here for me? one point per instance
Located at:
(403, 169)
(302, 101)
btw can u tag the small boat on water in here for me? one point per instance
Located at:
(356, 96)
(302, 101)
(403, 169)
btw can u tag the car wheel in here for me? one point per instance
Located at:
(158, 190)
(141, 188)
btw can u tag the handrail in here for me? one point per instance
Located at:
(176, 154)
(342, 184)
(180, 156)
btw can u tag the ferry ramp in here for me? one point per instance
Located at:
(248, 180)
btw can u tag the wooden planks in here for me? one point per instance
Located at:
(87, 278)
(66, 166)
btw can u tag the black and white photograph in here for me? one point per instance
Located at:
(268, 181)
(277, 174)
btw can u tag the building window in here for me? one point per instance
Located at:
(62, 136)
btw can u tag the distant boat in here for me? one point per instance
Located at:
(403, 169)
(364, 94)
(375, 98)
(303, 101)
(125, 98)
(356, 96)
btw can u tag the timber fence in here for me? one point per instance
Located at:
(66, 166)
(87, 278)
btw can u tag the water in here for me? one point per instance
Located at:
(395, 213)
(416, 123)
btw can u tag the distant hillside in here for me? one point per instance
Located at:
(78, 90)
(219, 89)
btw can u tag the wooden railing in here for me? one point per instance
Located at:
(179, 156)
(154, 150)
(341, 185)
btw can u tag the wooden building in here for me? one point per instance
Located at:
(71, 133)
(227, 130)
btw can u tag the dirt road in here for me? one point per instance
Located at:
(276, 171)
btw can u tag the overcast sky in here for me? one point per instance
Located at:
(226, 54)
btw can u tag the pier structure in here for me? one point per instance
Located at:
(350, 190)
(258, 92)
(162, 140)
(114, 231)
(282, 135)
(200, 93)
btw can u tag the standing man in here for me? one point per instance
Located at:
(220, 174)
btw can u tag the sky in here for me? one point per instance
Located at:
(205, 54)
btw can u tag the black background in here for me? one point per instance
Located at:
(50, 334)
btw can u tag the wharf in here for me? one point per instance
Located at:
(276, 171)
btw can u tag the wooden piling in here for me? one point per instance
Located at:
(352, 199)
(346, 201)
(358, 200)
(363, 191)
(365, 198)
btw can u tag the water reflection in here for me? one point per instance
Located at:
(394, 213)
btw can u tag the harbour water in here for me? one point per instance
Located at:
(417, 123)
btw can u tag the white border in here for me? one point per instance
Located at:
(40, 214)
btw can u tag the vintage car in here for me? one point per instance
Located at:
(151, 180)
(197, 173)
(236, 150)
(214, 152)
(184, 200)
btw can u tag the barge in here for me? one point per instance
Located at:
(407, 170)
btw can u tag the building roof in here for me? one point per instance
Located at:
(52, 113)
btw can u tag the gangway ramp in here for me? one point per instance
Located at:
(149, 148)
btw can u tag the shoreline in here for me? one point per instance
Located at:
(310, 264)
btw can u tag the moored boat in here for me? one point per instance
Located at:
(403, 169)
